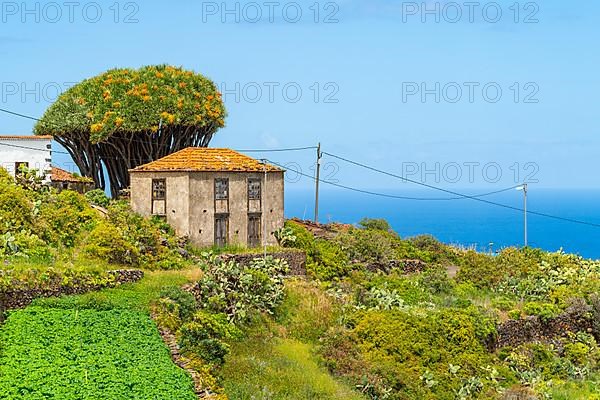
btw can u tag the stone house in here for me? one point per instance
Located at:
(213, 196)
(64, 180)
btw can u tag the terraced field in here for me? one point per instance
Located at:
(71, 354)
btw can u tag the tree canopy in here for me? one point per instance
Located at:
(127, 117)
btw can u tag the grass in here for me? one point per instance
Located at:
(579, 390)
(135, 296)
(307, 311)
(279, 369)
(237, 249)
(277, 361)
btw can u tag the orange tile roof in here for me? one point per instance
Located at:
(202, 159)
(60, 175)
(23, 137)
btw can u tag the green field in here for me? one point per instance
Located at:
(87, 354)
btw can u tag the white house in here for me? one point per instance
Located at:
(34, 152)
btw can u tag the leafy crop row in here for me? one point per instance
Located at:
(86, 354)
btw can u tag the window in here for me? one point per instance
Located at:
(159, 197)
(253, 189)
(221, 189)
(159, 189)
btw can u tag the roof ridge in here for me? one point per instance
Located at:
(26, 137)
(208, 159)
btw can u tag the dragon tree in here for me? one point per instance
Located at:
(124, 118)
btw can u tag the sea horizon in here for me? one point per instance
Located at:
(467, 222)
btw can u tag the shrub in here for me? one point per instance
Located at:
(205, 336)
(106, 242)
(419, 355)
(327, 261)
(304, 239)
(369, 246)
(515, 314)
(16, 209)
(98, 197)
(63, 216)
(375, 224)
(534, 362)
(436, 251)
(503, 304)
(595, 303)
(436, 280)
(285, 236)
(242, 292)
(480, 269)
(130, 239)
(378, 246)
(32, 246)
(406, 288)
(545, 311)
(185, 301)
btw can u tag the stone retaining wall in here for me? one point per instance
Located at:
(577, 318)
(406, 266)
(22, 298)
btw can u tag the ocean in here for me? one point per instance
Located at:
(467, 222)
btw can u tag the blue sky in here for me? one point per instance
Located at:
(358, 78)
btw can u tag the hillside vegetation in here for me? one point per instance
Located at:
(377, 317)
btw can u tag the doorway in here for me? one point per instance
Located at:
(254, 230)
(221, 229)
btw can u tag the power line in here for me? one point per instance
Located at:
(275, 150)
(241, 151)
(575, 221)
(139, 141)
(18, 114)
(391, 196)
(460, 195)
(30, 148)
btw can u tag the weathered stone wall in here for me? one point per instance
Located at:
(577, 318)
(406, 266)
(22, 298)
(295, 259)
(177, 208)
(191, 206)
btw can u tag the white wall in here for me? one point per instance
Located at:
(22, 150)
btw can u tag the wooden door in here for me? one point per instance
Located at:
(221, 230)
(254, 230)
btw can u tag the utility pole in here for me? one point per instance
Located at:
(525, 209)
(317, 179)
(524, 189)
(263, 197)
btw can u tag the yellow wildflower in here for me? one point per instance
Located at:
(97, 127)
